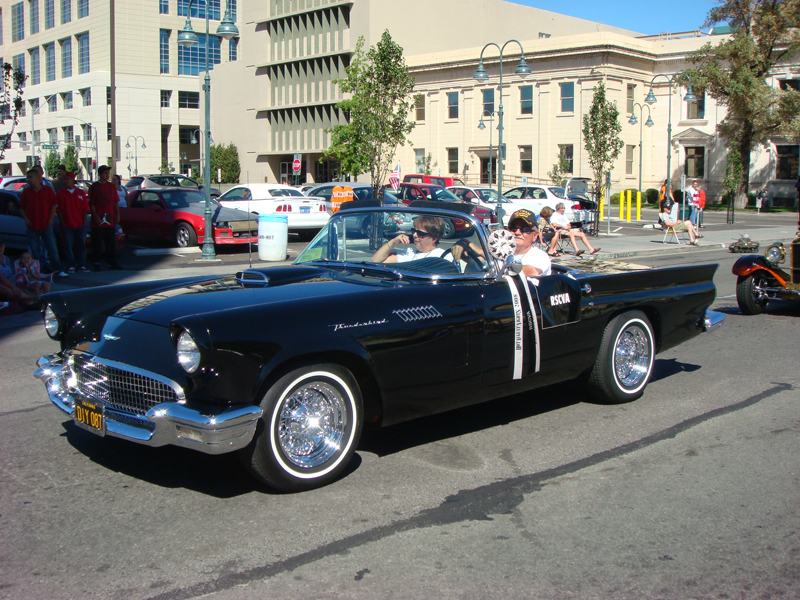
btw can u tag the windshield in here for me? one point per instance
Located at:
(402, 241)
(558, 192)
(439, 194)
(284, 192)
(490, 195)
(184, 198)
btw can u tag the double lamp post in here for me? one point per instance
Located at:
(187, 37)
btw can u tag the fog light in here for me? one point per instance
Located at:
(189, 434)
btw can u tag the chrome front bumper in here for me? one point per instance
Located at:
(168, 423)
(712, 320)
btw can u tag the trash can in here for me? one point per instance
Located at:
(273, 236)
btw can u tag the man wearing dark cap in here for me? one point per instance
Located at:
(73, 206)
(60, 182)
(104, 206)
(522, 225)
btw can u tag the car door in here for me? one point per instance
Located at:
(528, 326)
(145, 215)
(238, 197)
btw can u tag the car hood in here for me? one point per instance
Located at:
(163, 304)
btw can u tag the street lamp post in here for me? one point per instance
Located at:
(633, 121)
(482, 126)
(193, 141)
(651, 99)
(135, 150)
(523, 70)
(187, 37)
(96, 142)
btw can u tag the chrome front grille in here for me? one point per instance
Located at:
(117, 388)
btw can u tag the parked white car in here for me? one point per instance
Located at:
(306, 187)
(536, 197)
(307, 214)
(486, 197)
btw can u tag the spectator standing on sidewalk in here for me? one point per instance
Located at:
(694, 203)
(73, 206)
(701, 203)
(38, 205)
(60, 182)
(121, 191)
(104, 206)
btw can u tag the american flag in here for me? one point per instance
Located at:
(394, 178)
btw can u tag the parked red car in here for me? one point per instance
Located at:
(412, 192)
(179, 215)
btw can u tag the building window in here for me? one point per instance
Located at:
(787, 167)
(631, 98)
(66, 11)
(567, 97)
(695, 162)
(192, 60)
(629, 150)
(66, 100)
(419, 159)
(188, 99)
(419, 104)
(199, 9)
(49, 62)
(22, 110)
(232, 8)
(36, 77)
(164, 50)
(49, 14)
(526, 100)
(163, 7)
(566, 151)
(165, 97)
(86, 96)
(233, 49)
(108, 131)
(69, 134)
(108, 95)
(790, 84)
(452, 105)
(18, 62)
(36, 138)
(488, 101)
(83, 53)
(17, 22)
(526, 159)
(52, 135)
(696, 109)
(452, 160)
(52, 103)
(83, 8)
(86, 131)
(66, 57)
(23, 139)
(33, 5)
(186, 135)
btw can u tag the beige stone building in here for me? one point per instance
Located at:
(105, 69)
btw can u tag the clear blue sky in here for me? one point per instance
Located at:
(652, 17)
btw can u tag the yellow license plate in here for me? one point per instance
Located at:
(89, 415)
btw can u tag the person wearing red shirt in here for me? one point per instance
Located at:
(104, 206)
(38, 205)
(73, 206)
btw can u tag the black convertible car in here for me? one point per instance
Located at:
(285, 365)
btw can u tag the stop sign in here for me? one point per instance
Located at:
(296, 164)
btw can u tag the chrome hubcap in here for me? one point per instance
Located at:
(632, 356)
(759, 295)
(311, 424)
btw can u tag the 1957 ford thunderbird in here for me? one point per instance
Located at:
(285, 365)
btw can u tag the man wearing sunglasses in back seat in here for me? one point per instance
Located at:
(425, 236)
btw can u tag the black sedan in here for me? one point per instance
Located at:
(286, 365)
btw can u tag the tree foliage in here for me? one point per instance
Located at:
(51, 162)
(736, 71)
(166, 167)
(601, 129)
(225, 158)
(426, 164)
(559, 175)
(11, 102)
(378, 108)
(72, 161)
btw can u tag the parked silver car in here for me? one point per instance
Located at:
(141, 182)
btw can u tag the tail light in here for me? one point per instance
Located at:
(284, 208)
(323, 208)
(576, 206)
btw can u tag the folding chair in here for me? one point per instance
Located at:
(675, 234)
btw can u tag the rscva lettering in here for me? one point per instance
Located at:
(559, 299)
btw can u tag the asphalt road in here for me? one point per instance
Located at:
(690, 492)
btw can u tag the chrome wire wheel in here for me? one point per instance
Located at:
(632, 356)
(311, 424)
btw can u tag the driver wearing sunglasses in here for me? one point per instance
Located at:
(522, 225)
(425, 236)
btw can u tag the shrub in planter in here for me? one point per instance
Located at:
(651, 196)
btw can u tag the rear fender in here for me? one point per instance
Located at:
(752, 263)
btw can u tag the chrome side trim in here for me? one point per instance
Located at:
(712, 320)
(169, 423)
(420, 313)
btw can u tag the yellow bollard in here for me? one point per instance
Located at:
(601, 205)
(638, 206)
(630, 204)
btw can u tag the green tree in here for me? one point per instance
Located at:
(72, 161)
(378, 108)
(51, 162)
(166, 167)
(735, 73)
(559, 175)
(225, 158)
(426, 164)
(601, 128)
(10, 103)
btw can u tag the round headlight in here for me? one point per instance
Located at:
(188, 353)
(775, 253)
(51, 323)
